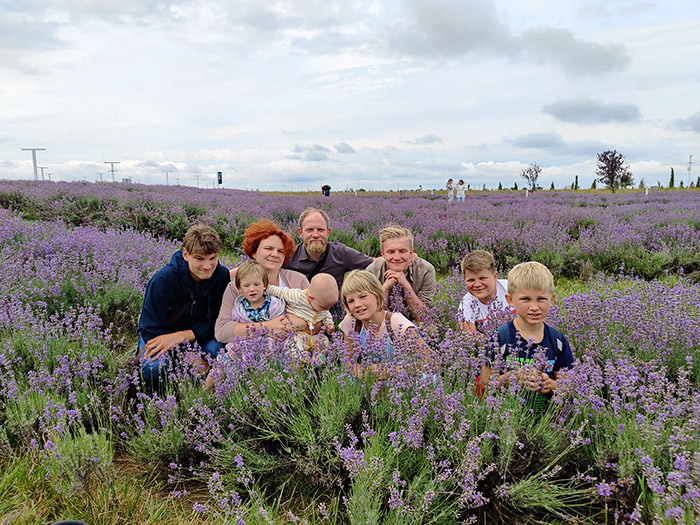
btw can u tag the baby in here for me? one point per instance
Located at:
(252, 306)
(312, 305)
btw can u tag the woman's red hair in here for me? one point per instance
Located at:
(260, 230)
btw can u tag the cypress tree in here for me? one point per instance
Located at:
(672, 182)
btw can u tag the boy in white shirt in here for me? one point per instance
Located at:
(486, 293)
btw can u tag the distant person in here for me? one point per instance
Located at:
(181, 303)
(460, 190)
(531, 294)
(317, 255)
(486, 293)
(450, 190)
(369, 323)
(401, 269)
(312, 305)
(326, 190)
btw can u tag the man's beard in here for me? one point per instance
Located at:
(316, 248)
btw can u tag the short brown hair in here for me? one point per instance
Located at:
(251, 267)
(394, 232)
(531, 275)
(202, 239)
(308, 211)
(478, 261)
(260, 230)
(362, 281)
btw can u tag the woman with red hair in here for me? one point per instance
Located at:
(266, 243)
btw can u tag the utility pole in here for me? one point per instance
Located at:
(100, 173)
(49, 175)
(112, 169)
(166, 175)
(690, 166)
(177, 179)
(34, 150)
(42, 168)
(197, 180)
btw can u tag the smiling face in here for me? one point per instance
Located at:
(362, 305)
(253, 289)
(531, 306)
(314, 234)
(481, 285)
(270, 254)
(200, 266)
(397, 253)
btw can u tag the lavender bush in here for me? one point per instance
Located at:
(576, 234)
(274, 443)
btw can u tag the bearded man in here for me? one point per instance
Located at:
(317, 255)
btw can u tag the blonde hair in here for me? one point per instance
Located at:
(202, 239)
(531, 275)
(308, 211)
(394, 232)
(251, 267)
(478, 261)
(359, 281)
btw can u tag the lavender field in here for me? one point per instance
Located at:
(274, 444)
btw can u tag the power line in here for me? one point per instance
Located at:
(112, 169)
(34, 150)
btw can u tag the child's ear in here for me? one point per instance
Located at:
(509, 299)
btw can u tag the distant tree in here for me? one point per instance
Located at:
(612, 170)
(641, 184)
(469, 187)
(484, 188)
(531, 174)
(515, 186)
(552, 186)
(672, 182)
(576, 183)
(697, 184)
(500, 186)
(593, 186)
(681, 184)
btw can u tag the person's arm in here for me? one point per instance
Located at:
(160, 344)
(415, 304)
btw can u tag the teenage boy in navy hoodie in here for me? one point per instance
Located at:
(182, 303)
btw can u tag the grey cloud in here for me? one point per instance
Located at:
(544, 140)
(313, 148)
(427, 139)
(446, 28)
(692, 123)
(344, 148)
(313, 153)
(588, 111)
(315, 156)
(555, 144)
(575, 56)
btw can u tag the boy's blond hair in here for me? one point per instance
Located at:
(478, 261)
(201, 239)
(531, 275)
(251, 267)
(394, 232)
(359, 281)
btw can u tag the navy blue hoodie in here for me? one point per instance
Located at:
(170, 289)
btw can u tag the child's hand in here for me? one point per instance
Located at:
(548, 384)
(530, 379)
(330, 328)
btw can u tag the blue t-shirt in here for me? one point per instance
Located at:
(557, 351)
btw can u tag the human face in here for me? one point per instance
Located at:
(531, 306)
(270, 254)
(481, 285)
(397, 253)
(201, 266)
(314, 233)
(362, 305)
(253, 289)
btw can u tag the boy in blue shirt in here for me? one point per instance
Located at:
(531, 295)
(182, 302)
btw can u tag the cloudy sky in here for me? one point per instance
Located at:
(293, 94)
